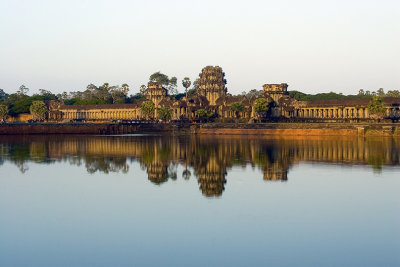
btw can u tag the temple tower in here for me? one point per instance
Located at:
(276, 91)
(212, 84)
(156, 92)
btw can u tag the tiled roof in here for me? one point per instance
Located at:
(107, 106)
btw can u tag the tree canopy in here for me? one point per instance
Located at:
(203, 114)
(261, 105)
(237, 107)
(186, 83)
(3, 112)
(38, 109)
(332, 95)
(164, 114)
(22, 90)
(148, 108)
(376, 107)
(169, 83)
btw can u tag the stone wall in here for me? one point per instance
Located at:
(300, 129)
(91, 128)
(267, 129)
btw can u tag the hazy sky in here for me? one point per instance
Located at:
(313, 45)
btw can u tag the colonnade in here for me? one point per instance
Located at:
(188, 112)
(117, 114)
(333, 113)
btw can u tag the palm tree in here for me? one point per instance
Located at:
(186, 83)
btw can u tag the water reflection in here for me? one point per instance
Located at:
(204, 158)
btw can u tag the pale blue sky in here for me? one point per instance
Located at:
(314, 46)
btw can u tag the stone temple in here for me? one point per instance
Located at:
(212, 95)
(212, 84)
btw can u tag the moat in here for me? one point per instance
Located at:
(201, 200)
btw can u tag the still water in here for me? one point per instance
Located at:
(205, 201)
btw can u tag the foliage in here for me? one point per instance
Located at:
(137, 96)
(322, 96)
(393, 93)
(191, 92)
(170, 83)
(38, 109)
(203, 114)
(380, 92)
(77, 101)
(119, 94)
(186, 83)
(178, 96)
(361, 93)
(252, 93)
(376, 107)
(20, 104)
(22, 90)
(148, 108)
(261, 105)
(3, 95)
(164, 114)
(160, 78)
(3, 111)
(172, 87)
(195, 84)
(104, 94)
(237, 107)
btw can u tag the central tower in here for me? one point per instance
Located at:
(212, 84)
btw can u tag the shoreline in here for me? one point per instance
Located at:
(267, 129)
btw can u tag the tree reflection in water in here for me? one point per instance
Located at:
(209, 158)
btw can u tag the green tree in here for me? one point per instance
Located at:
(3, 95)
(38, 109)
(195, 84)
(186, 83)
(203, 114)
(159, 77)
(22, 90)
(148, 108)
(3, 112)
(19, 104)
(253, 93)
(380, 92)
(91, 91)
(191, 92)
(361, 92)
(393, 93)
(118, 93)
(164, 114)
(104, 91)
(376, 108)
(172, 87)
(125, 88)
(261, 105)
(170, 84)
(237, 107)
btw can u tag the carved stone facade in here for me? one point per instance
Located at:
(276, 91)
(156, 92)
(212, 84)
(211, 94)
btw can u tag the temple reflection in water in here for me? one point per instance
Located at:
(207, 159)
